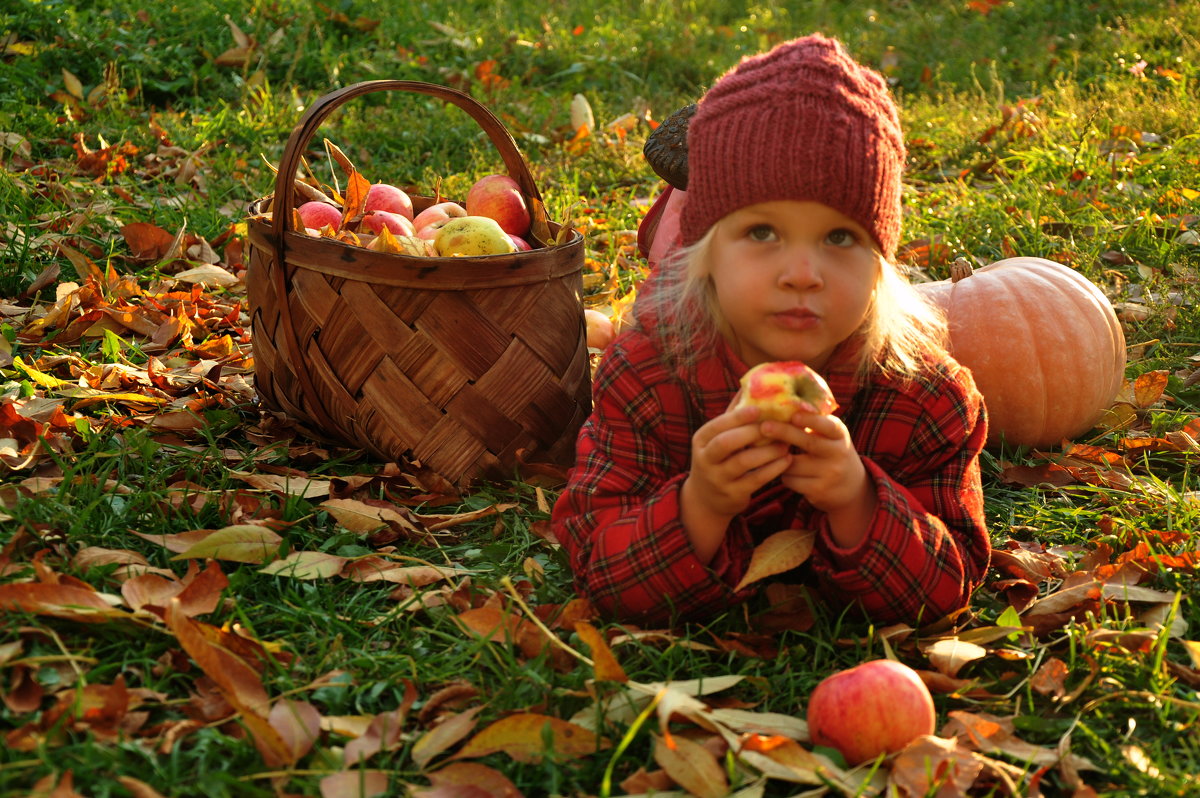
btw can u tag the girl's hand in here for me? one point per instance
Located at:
(826, 469)
(727, 468)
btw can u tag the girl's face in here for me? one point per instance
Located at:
(792, 280)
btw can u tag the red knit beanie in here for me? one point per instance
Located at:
(801, 122)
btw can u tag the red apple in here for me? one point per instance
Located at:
(499, 197)
(522, 244)
(783, 388)
(438, 212)
(599, 329)
(874, 708)
(317, 214)
(399, 225)
(384, 197)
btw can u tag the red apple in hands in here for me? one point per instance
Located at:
(384, 197)
(317, 214)
(396, 223)
(783, 388)
(874, 708)
(499, 197)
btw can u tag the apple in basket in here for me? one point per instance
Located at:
(396, 223)
(385, 197)
(430, 220)
(317, 214)
(471, 236)
(499, 197)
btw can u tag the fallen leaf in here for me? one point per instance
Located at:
(605, 665)
(479, 780)
(306, 565)
(444, 735)
(249, 543)
(949, 655)
(780, 552)
(355, 784)
(523, 737)
(691, 766)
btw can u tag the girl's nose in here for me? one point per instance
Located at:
(800, 270)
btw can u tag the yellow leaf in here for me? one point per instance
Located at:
(781, 552)
(606, 667)
(74, 86)
(306, 565)
(238, 543)
(951, 654)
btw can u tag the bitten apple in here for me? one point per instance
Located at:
(781, 389)
(472, 236)
(500, 198)
(317, 214)
(384, 197)
(874, 708)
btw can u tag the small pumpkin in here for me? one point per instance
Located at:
(1042, 341)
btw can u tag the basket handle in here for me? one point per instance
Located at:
(282, 201)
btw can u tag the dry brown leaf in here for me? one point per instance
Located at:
(298, 724)
(444, 735)
(691, 766)
(59, 601)
(521, 737)
(930, 762)
(355, 784)
(248, 543)
(781, 552)
(1050, 678)
(474, 779)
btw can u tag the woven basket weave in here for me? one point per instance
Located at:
(469, 365)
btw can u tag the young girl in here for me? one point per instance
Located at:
(791, 220)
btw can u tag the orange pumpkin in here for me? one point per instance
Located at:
(1043, 343)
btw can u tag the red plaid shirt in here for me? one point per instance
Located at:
(618, 518)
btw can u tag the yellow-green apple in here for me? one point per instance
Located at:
(499, 197)
(439, 213)
(874, 708)
(385, 197)
(599, 329)
(317, 214)
(782, 388)
(472, 236)
(396, 223)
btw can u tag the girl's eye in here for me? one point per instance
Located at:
(761, 232)
(842, 238)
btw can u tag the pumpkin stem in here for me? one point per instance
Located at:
(960, 269)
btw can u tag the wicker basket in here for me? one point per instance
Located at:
(469, 365)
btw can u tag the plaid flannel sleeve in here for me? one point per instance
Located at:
(928, 547)
(618, 517)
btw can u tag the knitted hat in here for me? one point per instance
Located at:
(801, 122)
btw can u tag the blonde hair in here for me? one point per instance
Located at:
(901, 326)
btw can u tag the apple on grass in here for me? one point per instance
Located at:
(385, 197)
(782, 388)
(874, 708)
(317, 214)
(500, 198)
(472, 236)
(396, 223)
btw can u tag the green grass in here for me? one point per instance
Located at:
(1059, 187)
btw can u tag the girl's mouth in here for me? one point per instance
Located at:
(796, 319)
